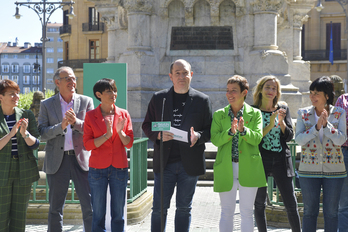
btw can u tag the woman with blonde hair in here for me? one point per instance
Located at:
(276, 156)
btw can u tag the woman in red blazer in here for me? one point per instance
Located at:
(107, 131)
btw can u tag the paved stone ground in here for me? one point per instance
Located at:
(205, 216)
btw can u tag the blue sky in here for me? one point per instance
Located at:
(28, 28)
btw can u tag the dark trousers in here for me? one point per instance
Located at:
(58, 190)
(275, 166)
(14, 200)
(174, 174)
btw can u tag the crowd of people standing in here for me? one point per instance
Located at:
(87, 145)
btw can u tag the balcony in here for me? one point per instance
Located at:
(93, 27)
(74, 64)
(318, 55)
(65, 29)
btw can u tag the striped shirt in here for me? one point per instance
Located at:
(11, 121)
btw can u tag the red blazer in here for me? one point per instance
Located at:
(112, 152)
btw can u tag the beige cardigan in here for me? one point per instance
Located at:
(321, 159)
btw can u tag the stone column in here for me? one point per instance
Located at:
(109, 17)
(297, 27)
(265, 24)
(139, 12)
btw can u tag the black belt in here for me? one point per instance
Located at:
(70, 152)
(235, 159)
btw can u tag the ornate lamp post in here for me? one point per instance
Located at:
(44, 10)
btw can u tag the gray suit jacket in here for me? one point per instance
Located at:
(50, 119)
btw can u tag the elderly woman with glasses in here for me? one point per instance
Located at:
(18, 167)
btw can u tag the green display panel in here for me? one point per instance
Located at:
(93, 72)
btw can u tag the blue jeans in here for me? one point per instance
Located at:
(173, 174)
(276, 166)
(311, 188)
(99, 179)
(343, 205)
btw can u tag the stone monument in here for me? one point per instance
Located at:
(219, 38)
(35, 105)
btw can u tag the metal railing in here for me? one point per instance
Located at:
(93, 27)
(65, 29)
(137, 181)
(78, 63)
(270, 184)
(316, 55)
(138, 169)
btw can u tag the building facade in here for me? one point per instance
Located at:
(316, 40)
(85, 38)
(20, 65)
(54, 52)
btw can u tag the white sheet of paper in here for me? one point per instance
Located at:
(179, 135)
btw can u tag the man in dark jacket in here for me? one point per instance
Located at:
(188, 110)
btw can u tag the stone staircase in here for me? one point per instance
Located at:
(204, 180)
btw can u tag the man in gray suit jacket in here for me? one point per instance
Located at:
(61, 121)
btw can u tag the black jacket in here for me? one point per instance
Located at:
(197, 114)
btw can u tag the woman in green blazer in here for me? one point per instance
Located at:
(237, 131)
(18, 167)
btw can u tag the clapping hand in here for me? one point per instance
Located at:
(15, 128)
(322, 121)
(70, 116)
(24, 125)
(237, 125)
(109, 131)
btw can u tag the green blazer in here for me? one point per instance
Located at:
(251, 171)
(28, 170)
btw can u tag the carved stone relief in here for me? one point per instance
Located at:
(266, 5)
(138, 5)
(298, 20)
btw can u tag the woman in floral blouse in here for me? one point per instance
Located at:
(321, 130)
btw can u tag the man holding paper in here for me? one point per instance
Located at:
(189, 112)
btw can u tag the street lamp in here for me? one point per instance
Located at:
(44, 10)
(319, 6)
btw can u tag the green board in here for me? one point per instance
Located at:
(93, 72)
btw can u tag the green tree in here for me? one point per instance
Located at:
(25, 99)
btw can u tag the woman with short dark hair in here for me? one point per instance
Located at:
(321, 130)
(237, 131)
(18, 167)
(107, 132)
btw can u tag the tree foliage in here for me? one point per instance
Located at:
(25, 99)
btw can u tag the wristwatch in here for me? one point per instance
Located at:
(26, 135)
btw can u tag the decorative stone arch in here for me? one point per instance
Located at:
(201, 16)
(176, 14)
(226, 20)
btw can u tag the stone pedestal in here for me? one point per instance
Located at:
(266, 41)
